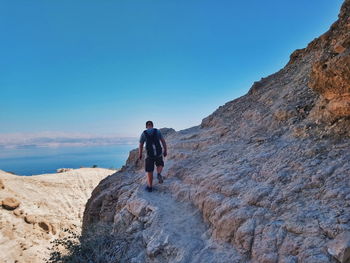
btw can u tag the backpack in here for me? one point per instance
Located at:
(153, 146)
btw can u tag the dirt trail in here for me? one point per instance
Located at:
(177, 231)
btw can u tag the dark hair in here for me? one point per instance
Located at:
(149, 123)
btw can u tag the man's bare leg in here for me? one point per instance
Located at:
(159, 176)
(150, 178)
(159, 169)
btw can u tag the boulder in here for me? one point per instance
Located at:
(30, 219)
(18, 212)
(45, 226)
(10, 203)
(340, 247)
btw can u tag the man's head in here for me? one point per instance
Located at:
(149, 124)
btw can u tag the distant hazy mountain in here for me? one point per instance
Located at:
(55, 139)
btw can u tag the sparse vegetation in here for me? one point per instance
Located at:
(100, 244)
(95, 166)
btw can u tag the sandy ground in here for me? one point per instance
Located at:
(49, 203)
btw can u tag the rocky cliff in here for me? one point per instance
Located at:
(265, 178)
(35, 210)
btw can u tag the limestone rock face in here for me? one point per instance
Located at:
(265, 178)
(42, 207)
(330, 75)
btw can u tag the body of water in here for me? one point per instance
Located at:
(39, 160)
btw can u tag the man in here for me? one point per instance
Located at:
(153, 137)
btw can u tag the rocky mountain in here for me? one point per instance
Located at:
(35, 210)
(265, 178)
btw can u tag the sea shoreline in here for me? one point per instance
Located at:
(47, 160)
(61, 170)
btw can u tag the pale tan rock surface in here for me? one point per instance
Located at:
(340, 247)
(47, 204)
(265, 178)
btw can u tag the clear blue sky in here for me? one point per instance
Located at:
(108, 66)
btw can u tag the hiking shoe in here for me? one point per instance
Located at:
(160, 178)
(148, 189)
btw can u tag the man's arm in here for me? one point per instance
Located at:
(140, 150)
(142, 141)
(164, 147)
